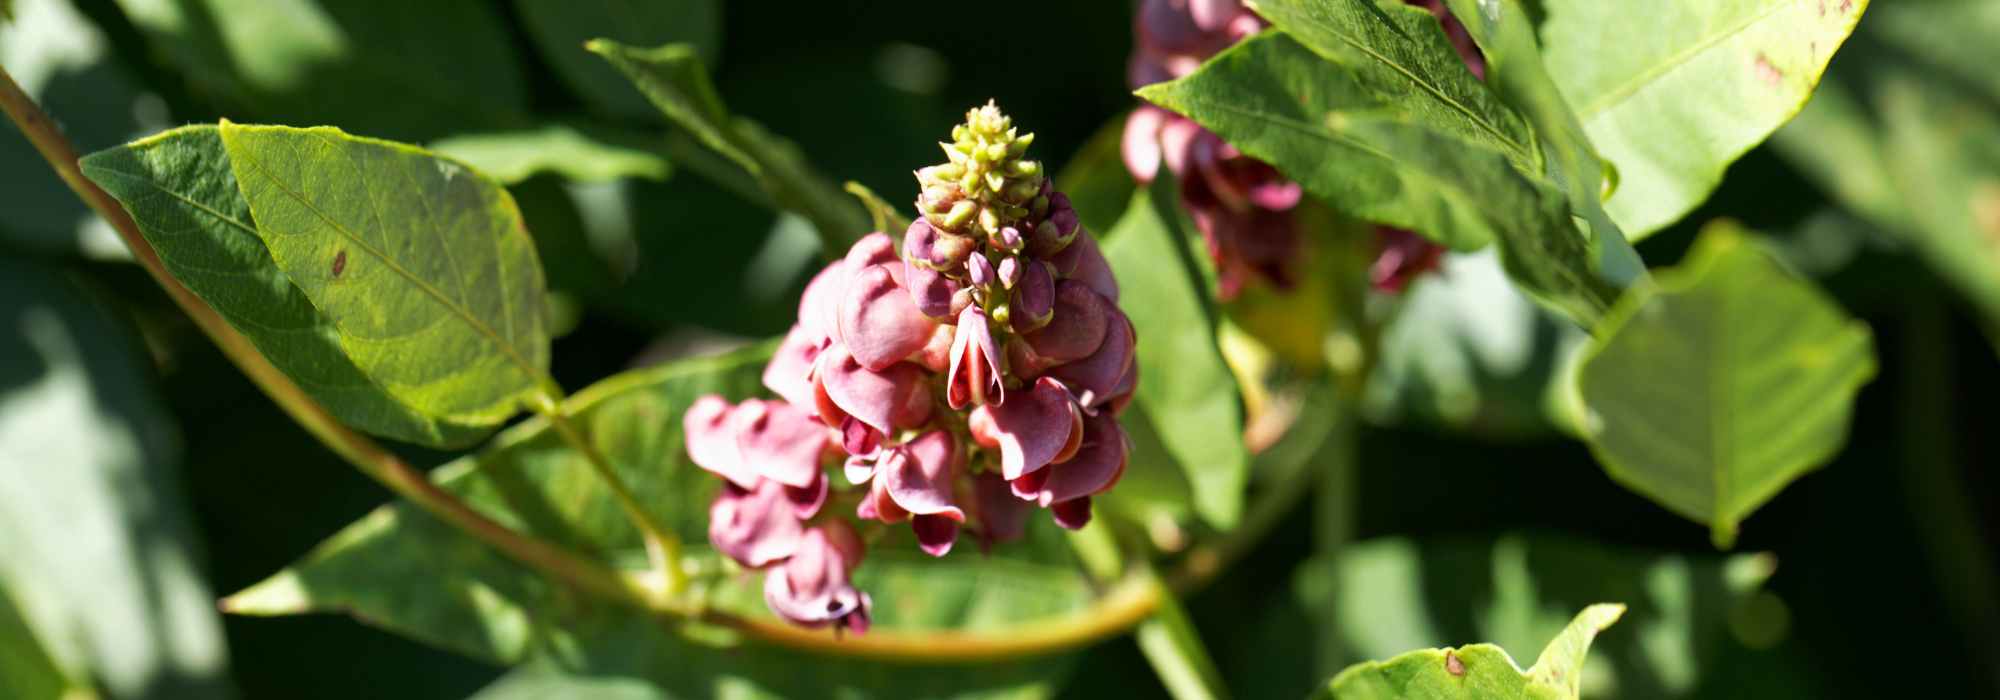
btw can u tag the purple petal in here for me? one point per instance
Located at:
(1082, 261)
(807, 501)
(1213, 15)
(873, 249)
(921, 474)
(1034, 299)
(710, 427)
(1072, 515)
(753, 527)
(974, 375)
(1097, 378)
(819, 306)
(935, 533)
(1078, 326)
(930, 290)
(980, 270)
(1033, 428)
(813, 588)
(878, 399)
(879, 322)
(1096, 466)
(790, 372)
(781, 441)
(1002, 516)
(858, 439)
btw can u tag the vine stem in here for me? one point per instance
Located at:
(1116, 611)
(663, 548)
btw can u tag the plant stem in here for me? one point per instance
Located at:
(1334, 519)
(663, 548)
(1174, 647)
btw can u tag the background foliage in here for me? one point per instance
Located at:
(1478, 518)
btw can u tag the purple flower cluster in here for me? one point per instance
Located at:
(1242, 206)
(960, 383)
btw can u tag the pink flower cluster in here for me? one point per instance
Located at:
(1242, 206)
(960, 383)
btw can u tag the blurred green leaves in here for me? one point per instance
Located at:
(1185, 389)
(675, 80)
(1711, 392)
(560, 28)
(1673, 92)
(97, 552)
(579, 152)
(1478, 670)
(400, 569)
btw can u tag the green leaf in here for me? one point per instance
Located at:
(179, 188)
(1901, 132)
(26, 670)
(674, 79)
(1712, 392)
(1478, 670)
(401, 569)
(1400, 53)
(95, 541)
(1185, 389)
(1380, 597)
(560, 28)
(1673, 92)
(587, 154)
(883, 214)
(1096, 180)
(405, 70)
(1381, 159)
(68, 66)
(422, 266)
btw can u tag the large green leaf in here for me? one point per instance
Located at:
(421, 265)
(577, 152)
(1185, 388)
(179, 188)
(26, 670)
(95, 540)
(1673, 92)
(1481, 671)
(1902, 134)
(1712, 392)
(401, 569)
(1380, 157)
(560, 28)
(397, 69)
(67, 65)
(1096, 180)
(675, 80)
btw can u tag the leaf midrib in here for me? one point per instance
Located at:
(1519, 148)
(452, 305)
(1626, 90)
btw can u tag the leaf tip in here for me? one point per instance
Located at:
(281, 594)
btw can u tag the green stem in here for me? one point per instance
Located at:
(1173, 646)
(663, 548)
(1334, 503)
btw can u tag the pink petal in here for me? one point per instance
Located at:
(1002, 516)
(929, 290)
(781, 441)
(1082, 261)
(1033, 427)
(921, 474)
(875, 398)
(1078, 326)
(753, 527)
(813, 588)
(859, 469)
(873, 249)
(1096, 466)
(879, 323)
(1097, 378)
(807, 501)
(1213, 15)
(819, 306)
(710, 427)
(1072, 515)
(1034, 298)
(974, 375)
(935, 533)
(790, 372)
(1177, 142)
(1140, 144)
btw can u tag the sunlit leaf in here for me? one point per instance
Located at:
(179, 188)
(1671, 93)
(1479, 670)
(422, 266)
(1712, 392)
(1184, 386)
(560, 28)
(578, 153)
(95, 541)
(26, 670)
(1095, 178)
(675, 80)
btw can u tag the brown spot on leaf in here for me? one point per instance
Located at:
(1768, 72)
(339, 263)
(1846, 6)
(1452, 664)
(1822, 8)
(1986, 211)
